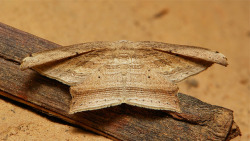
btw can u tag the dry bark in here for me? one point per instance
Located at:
(197, 121)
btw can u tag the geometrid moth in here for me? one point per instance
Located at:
(103, 74)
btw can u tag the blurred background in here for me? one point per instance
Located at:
(222, 25)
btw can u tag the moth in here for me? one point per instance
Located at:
(103, 74)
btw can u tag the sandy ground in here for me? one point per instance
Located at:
(218, 25)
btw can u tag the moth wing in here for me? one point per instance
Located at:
(75, 70)
(106, 91)
(178, 68)
(188, 51)
(91, 100)
(156, 99)
(100, 90)
(60, 53)
(178, 62)
(84, 100)
(155, 92)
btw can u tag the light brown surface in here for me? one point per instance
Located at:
(222, 26)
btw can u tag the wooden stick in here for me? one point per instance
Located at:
(198, 120)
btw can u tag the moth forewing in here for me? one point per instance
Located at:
(188, 51)
(60, 53)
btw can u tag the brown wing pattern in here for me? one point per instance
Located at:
(188, 51)
(103, 74)
(44, 57)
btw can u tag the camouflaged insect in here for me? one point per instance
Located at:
(103, 74)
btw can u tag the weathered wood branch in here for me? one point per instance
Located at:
(198, 120)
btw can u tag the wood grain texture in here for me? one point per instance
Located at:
(197, 120)
(104, 74)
